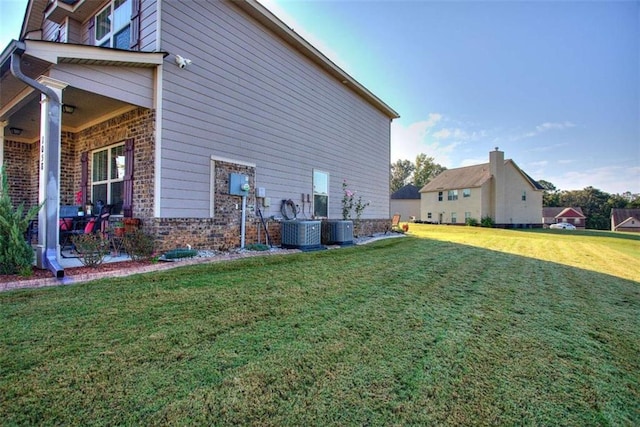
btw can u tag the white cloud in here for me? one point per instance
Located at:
(610, 179)
(550, 126)
(409, 141)
(542, 128)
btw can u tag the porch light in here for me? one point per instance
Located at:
(15, 131)
(69, 109)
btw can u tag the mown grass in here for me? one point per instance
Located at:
(454, 325)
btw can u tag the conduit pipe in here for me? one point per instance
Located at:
(52, 162)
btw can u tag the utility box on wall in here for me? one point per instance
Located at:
(237, 183)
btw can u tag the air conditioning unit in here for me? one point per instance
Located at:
(339, 232)
(304, 235)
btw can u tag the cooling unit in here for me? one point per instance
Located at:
(339, 232)
(303, 235)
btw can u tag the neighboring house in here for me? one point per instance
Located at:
(625, 220)
(406, 202)
(498, 189)
(163, 100)
(553, 215)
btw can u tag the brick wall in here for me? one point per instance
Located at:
(21, 165)
(138, 124)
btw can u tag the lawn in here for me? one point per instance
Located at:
(452, 325)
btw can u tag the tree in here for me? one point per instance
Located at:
(425, 170)
(550, 195)
(400, 173)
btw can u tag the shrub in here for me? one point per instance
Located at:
(16, 255)
(487, 221)
(257, 247)
(472, 222)
(91, 248)
(139, 245)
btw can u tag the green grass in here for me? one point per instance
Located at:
(452, 325)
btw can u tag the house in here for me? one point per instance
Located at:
(406, 202)
(162, 108)
(571, 215)
(625, 220)
(498, 189)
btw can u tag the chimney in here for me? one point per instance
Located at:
(496, 167)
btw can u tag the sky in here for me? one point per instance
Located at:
(553, 84)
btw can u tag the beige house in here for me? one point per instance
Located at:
(174, 113)
(406, 202)
(498, 189)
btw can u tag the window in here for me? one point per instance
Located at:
(113, 25)
(524, 196)
(454, 217)
(107, 177)
(439, 196)
(320, 194)
(466, 192)
(452, 195)
(467, 216)
(428, 215)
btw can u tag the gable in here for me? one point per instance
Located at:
(619, 216)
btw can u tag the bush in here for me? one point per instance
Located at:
(91, 248)
(139, 245)
(16, 255)
(257, 247)
(487, 221)
(472, 222)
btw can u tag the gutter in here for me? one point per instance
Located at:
(50, 256)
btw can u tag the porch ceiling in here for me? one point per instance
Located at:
(89, 108)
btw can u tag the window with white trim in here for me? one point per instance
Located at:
(113, 25)
(524, 196)
(454, 217)
(320, 194)
(466, 192)
(452, 195)
(439, 196)
(107, 177)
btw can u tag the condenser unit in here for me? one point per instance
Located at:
(303, 235)
(339, 232)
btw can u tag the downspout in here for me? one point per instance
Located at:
(53, 159)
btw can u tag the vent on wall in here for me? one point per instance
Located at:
(303, 235)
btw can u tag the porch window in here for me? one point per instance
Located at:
(108, 176)
(320, 194)
(113, 25)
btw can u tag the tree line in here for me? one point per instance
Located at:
(596, 204)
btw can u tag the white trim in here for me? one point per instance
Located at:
(3, 124)
(212, 187)
(56, 53)
(158, 26)
(157, 181)
(234, 162)
(52, 83)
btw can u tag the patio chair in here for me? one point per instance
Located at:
(395, 223)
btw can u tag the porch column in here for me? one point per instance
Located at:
(49, 174)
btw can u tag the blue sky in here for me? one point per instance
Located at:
(555, 85)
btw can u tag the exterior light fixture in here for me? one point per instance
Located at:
(15, 131)
(69, 109)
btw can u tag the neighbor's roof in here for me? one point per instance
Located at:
(409, 191)
(559, 212)
(618, 216)
(470, 177)
(466, 177)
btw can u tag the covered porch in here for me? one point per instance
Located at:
(75, 121)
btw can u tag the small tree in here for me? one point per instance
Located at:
(349, 203)
(16, 255)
